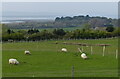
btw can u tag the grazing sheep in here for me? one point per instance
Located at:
(13, 61)
(64, 50)
(84, 56)
(27, 53)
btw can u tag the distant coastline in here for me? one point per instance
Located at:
(14, 19)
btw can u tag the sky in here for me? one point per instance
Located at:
(60, 0)
(54, 9)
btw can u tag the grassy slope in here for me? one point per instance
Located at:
(47, 60)
(0, 60)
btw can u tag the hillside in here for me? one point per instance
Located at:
(63, 22)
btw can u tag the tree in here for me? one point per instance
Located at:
(57, 19)
(59, 32)
(110, 29)
(45, 35)
(16, 36)
(31, 31)
(86, 26)
(10, 31)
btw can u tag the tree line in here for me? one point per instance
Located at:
(57, 34)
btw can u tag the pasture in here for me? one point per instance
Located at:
(48, 61)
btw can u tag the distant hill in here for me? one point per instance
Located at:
(81, 20)
(61, 22)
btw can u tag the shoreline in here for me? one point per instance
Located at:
(9, 20)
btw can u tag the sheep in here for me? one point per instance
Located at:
(13, 61)
(64, 50)
(83, 55)
(27, 52)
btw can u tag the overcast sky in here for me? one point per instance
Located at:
(53, 9)
(60, 0)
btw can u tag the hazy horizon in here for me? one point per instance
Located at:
(58, 9)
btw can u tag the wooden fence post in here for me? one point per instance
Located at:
(72, 72)
(103, 50)
(91, 50)
(116, 53)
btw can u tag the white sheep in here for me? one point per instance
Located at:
(84, 56)
(13, 61)
(64, 50)
(27, 52)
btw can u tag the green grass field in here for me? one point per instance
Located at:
(0, 60)
(48, 61)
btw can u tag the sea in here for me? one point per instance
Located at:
(20, 19)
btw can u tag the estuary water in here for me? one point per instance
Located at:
(19, 19)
